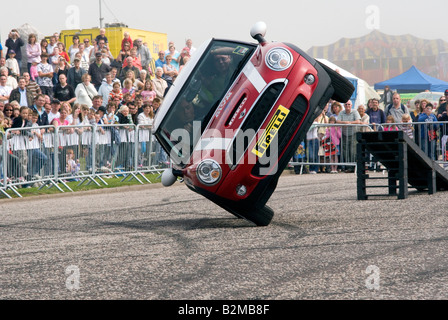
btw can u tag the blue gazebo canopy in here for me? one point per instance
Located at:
(413, 80)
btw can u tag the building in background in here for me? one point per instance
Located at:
(156, 41)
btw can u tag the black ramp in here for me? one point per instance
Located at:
(404, 160)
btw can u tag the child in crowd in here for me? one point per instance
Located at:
(12, 64)
(428, 131)
(2, 121)
(37, 159)
(127, 98)
(128, 88)
(333, 136)
(127, 39)
(407, 126)
(33, 71)
(101, 138)
(34, 117)
(15, 110)
(148, 92)
(7, 123)
(299, 156)
(102, 36)
(116, 92)
(91, 117)
(105, 59)
(54, 60)
(111, 117)
(99, 120)
(72, 165)
(392, 127)
(156, 104)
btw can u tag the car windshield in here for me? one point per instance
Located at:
(200, 96)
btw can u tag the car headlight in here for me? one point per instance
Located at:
(209, 172)
(279, 59)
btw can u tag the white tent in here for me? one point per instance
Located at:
(364, 92)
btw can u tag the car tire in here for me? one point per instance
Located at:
(343, 89)
(264, 216)
(261, 217)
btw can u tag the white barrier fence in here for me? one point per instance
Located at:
(332, 147)
(51, 156)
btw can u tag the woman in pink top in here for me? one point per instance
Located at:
(33, 51)
(62, 120)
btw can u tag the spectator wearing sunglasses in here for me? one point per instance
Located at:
(8, 110)
(441, 110)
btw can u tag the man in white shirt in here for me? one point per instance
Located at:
(10, 81)
(105, 88)
(53, 44)
(349, 117)
(54, 113)
(83, 56)
(5, 90)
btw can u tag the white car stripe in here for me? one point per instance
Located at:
(254, 76)
(213, 144)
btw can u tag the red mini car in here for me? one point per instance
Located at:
(235, 115)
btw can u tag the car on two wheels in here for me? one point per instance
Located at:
(235, 116)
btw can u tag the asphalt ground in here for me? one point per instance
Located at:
(150, 242)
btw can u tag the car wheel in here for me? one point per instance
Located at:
(343, 89)
(261, 217)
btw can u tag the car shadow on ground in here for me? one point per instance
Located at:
(182, 224)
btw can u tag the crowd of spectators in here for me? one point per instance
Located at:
(60, 86)
(425, 125)
(85, 74)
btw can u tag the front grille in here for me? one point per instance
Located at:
(254, 120)
(296, 114)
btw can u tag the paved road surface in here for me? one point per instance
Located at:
(148, 242)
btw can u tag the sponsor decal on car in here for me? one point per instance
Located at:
(222, 104)
(240, 50)
(270, 132)
(242, 114)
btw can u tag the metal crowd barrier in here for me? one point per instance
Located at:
(51, 156)
(334, 155)
(3, 155)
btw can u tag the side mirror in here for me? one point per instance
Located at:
(258, 31)
(168, 178)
